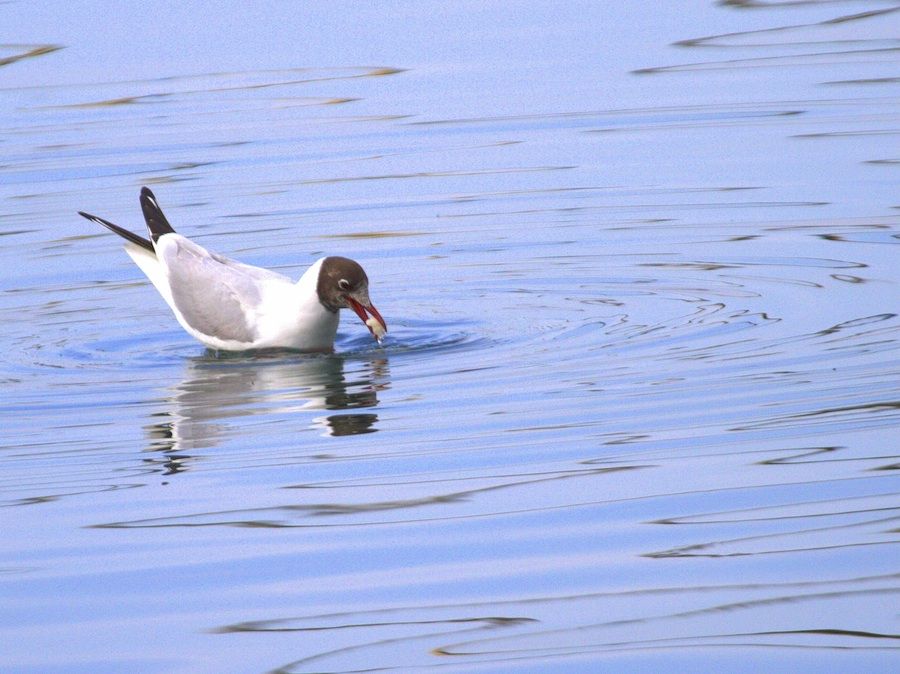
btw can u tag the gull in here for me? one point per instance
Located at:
(231, 306)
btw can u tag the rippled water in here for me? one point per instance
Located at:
(638, 408)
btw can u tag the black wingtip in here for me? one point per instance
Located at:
(156, 221)
(124, 233)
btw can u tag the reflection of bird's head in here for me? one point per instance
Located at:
(350, 424)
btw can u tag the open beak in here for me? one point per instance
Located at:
(376, 323)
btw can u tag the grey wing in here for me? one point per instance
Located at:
(216, 296)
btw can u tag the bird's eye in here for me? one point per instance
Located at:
(344, 284)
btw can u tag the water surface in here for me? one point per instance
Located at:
(638, 408)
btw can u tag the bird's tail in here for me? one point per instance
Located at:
(124, 233)
(156, 221)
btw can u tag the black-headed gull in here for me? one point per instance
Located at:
(232, 306)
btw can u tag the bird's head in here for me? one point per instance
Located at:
(343, 284)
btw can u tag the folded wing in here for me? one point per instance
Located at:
(215, 296)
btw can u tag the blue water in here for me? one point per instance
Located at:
(638, 405)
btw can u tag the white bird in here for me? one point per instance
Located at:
(232, 306)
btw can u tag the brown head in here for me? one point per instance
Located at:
(343, 284)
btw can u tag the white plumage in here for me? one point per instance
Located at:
(233, 306)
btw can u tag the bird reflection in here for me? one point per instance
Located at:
(218, 389)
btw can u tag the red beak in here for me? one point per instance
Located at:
(364, 317)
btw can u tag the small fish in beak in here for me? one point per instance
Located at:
(375, 323)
